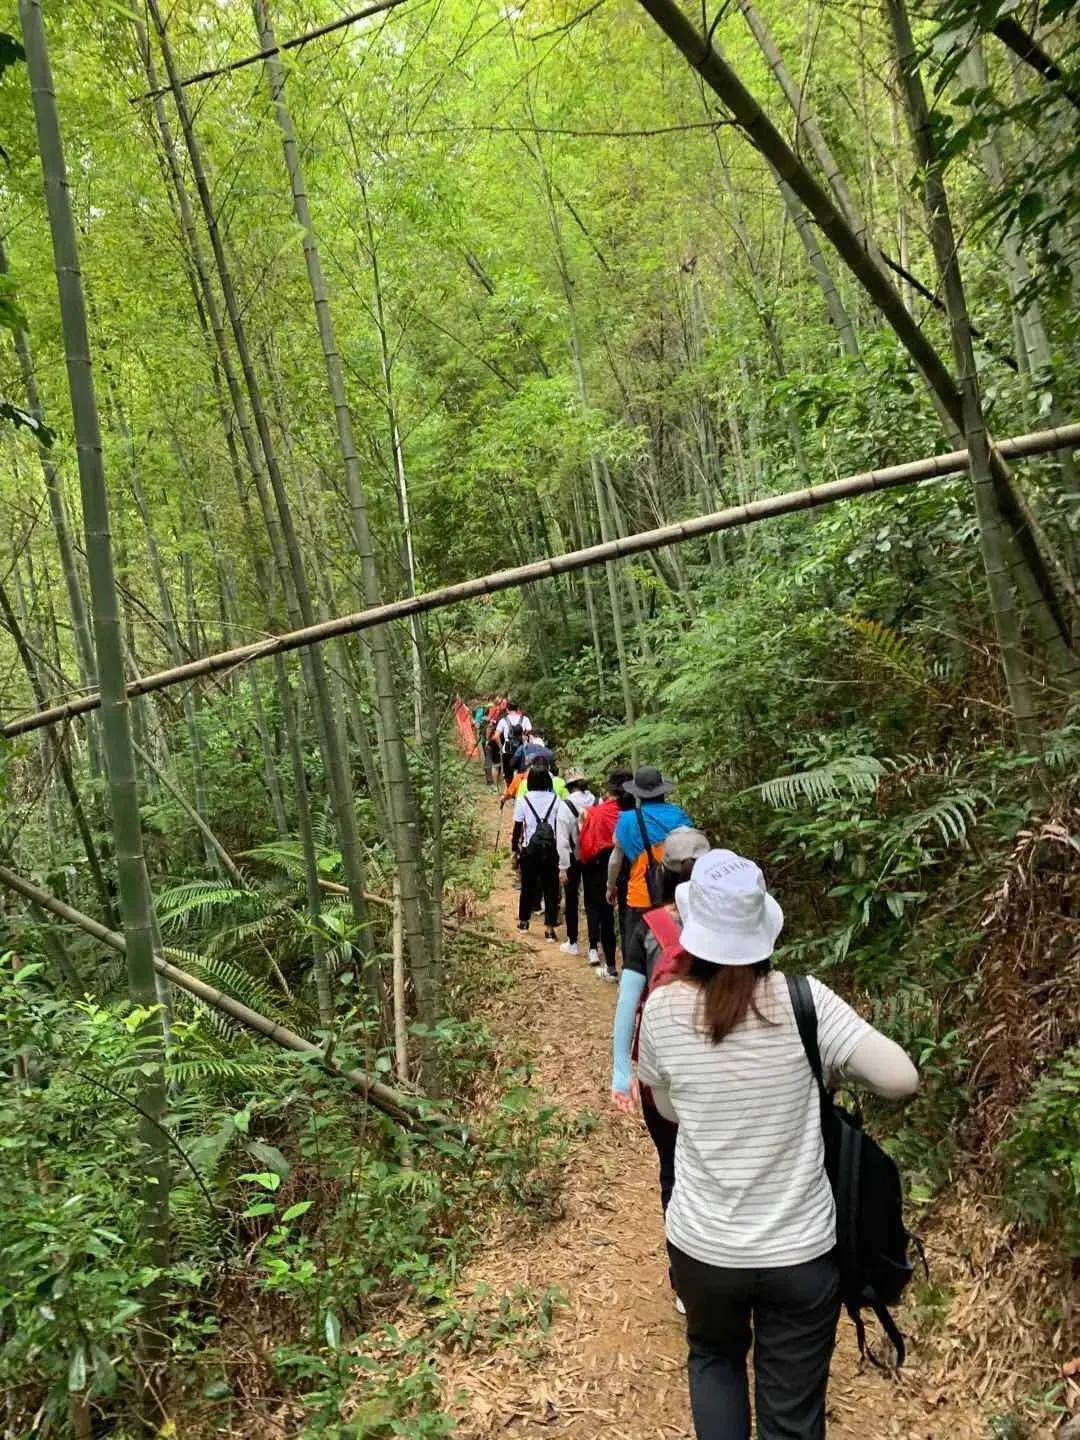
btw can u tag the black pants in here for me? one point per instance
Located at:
(571, 893)
(599, 915)
(492, 757)
(629, 920)
(793, 1312)
(539, 878)
(508, 765)
(663, 1134)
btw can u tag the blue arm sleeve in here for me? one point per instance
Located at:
(631, 986)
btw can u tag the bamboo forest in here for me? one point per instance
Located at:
(459, 462)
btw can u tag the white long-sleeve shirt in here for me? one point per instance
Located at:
(750, 1182)
(571, 813)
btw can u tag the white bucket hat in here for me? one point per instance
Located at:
(729, 918)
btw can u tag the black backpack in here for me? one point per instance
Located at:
(872, 1241)
(542, 844)
(515, 736)
(654, 874)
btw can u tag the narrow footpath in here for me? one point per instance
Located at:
(613, 1363)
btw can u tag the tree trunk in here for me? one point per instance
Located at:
(136, 904)
(338, 781)
(768, 141)
(56, 754)
(291, 720)
(427, 980)
(943, 239)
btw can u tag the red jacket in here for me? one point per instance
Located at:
(597, 829)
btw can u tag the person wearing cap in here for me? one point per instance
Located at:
(640, 962)
(533, 747)
(751, 1225)
(595, 842)
(576, 802)
(639, 842)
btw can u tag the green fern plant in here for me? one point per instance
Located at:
(952, 817)
(889, 648)
(195, 901)
(853, 774)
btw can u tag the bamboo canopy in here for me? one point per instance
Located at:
(404, 1109)
(912, 472)
(295, 43)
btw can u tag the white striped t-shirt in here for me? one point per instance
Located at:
(750, 1182)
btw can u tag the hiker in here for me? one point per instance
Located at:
(639, 841)
(534, 843)
(577, 801)
(492, 743)
(751, 1225)
(532, 748)
(519, 783)
(512, 728)
(480, 719)
(595, 842)
(656, 940)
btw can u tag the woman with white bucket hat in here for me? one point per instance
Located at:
(751, 1225)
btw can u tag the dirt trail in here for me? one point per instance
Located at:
(613, 1363)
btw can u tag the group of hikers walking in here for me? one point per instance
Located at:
(777, 1210)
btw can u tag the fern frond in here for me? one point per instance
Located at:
(890, 648)
(952, 817)
(234, 981)
(251, 931)
(287, 855)
(196, 899)
(219, 1067)
(856, 774)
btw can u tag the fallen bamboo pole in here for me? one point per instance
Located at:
(404, 1109)
(1066, 437)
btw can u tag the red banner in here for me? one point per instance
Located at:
(466, 730)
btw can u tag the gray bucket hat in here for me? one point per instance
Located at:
(648, 784)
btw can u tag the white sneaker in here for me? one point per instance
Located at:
(680, 1308)
(594, 957)
(607, 975)
(570, 947)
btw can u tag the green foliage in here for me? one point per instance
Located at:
(1040, 1154)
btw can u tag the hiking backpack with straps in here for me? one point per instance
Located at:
(872, 1241)
(654, 877)
(542, 844)
(515, 737)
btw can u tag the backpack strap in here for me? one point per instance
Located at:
(535, 816)
(802, 1003)
(644, 833)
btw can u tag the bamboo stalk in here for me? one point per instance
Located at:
(273, 50)
(402, 1108)
(762, 133)
(943, 241)
(734, 517)
(136, 901)
(403, 810)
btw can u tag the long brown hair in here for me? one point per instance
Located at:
(728, 994)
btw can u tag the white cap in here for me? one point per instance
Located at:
(729, 918)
